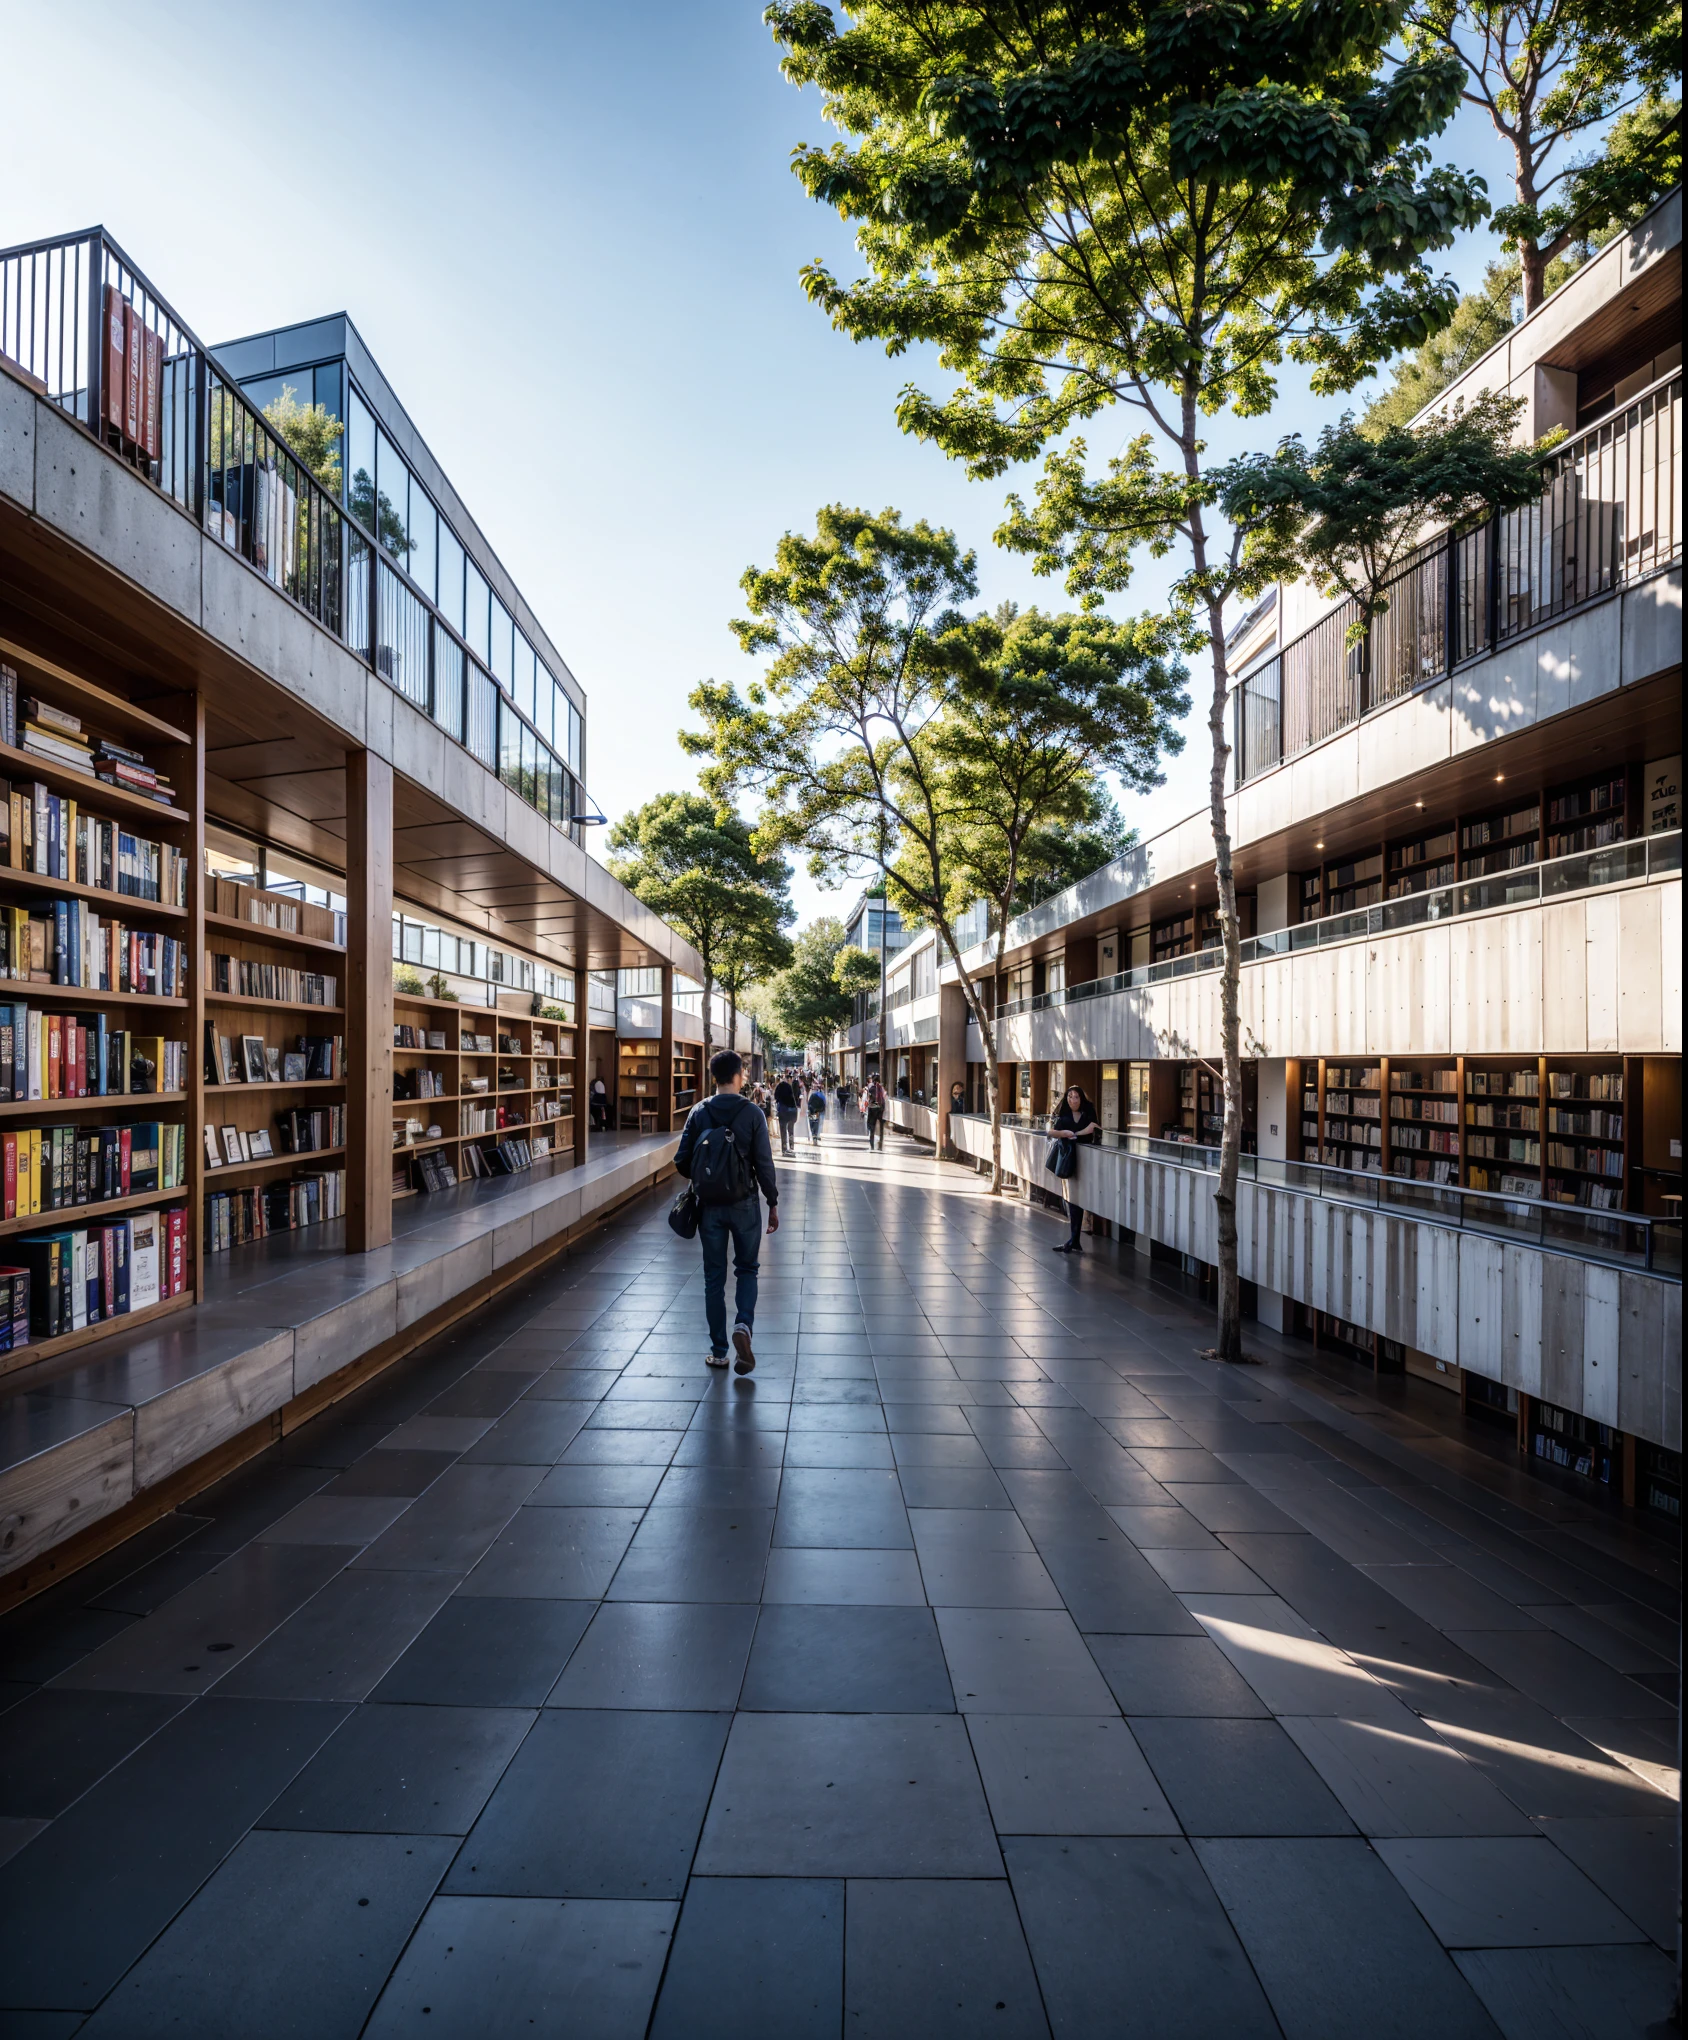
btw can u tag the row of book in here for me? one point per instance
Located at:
(431, 1173)
(57, 735)
(249, 1059)
(77, 1055)
(232, 1217)
(53, 837)
(55, 1168)
(303, 1133)
(507, 1158)
(249, 980)
(405, 1036)
(64, 1281)
(264, 909)
(64, 942)
(420, 1084)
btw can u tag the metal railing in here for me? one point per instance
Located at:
(1610, 514)
(1645, 857)
(67, 307)
(1631, 1239)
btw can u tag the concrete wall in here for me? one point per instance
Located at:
(1536, 979)
(1591, 1338)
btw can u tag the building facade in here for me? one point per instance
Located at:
(1459, 868)
(307, 973)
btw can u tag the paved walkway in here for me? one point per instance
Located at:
(987, 1664)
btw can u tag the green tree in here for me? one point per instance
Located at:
(1353, 511)
(1133, 202)
(815, 994)
(890, 729)
(693, 862)
(1548, 73)
(750, 955)
(313, 432)
(1058, 854)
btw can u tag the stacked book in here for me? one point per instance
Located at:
(117, 765)
(58, 736)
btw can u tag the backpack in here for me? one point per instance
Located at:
(721, 1163)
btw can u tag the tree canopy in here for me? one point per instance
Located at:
(694, 862)
(1548, 74)
(815, 994)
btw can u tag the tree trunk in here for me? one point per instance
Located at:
(1230, 1331)
(732, 1019)
(708, 1023)
(1230, 1339)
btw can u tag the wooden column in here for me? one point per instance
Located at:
(369, 1002)
(665, 1055)
(951, 1060)
(582, 1068)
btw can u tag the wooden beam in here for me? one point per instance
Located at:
(369, 1002)
(582, 1068)
(665, 1054)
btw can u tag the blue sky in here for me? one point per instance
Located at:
(570, 236)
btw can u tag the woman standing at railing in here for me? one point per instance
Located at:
(1074, 1126)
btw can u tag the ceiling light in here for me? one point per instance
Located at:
(1499, 776)
(1318, 846)
(1418, 803)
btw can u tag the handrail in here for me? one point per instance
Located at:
(213, 454)
(1632, 1239)
(1608, 516)
(1641, 857)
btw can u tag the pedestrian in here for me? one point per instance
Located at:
(725, 1153)
(957, 1104)
(785, 1109)
(873, 1109)
(598, 1102)
(817, 1112)
(1074, 1126)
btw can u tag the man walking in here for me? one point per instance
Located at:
(724, 1150)
(785, 1106)
(873, 1103)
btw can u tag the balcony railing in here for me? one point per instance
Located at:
(1610, 515)
(66, 308)
(1647, 857)
(1630, 1239)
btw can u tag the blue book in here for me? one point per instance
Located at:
(61, 942)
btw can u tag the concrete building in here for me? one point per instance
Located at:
(297, 908)
(1461, 986)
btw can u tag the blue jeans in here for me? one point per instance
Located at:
(716, 1223)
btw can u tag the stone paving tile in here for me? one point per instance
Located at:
(735, 1686)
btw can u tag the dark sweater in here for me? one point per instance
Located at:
(725, 1109)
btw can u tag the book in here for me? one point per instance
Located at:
(143, 1260)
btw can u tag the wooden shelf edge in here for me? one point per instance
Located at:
(82, 995)
(78, 1215)
(66, 888)
(227, 1171)
(246, 1002)
(46, 1109)
(279, 1084)
(281, 938)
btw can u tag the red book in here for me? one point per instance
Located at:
(115, 373)
(11, 1175)
(123, 1159)
(178, 1229)
(72, 1058)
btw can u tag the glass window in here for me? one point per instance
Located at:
(451, 578)
(430, 948)
(424, 540)
(412, 941)
(509, 747)
(330, 385)
(524, 689)
(401, 658)
(544, 695)
(475, 597)
(481, 726)
(392, 485)
(448, 682)
(360, 460)
(503, 646)
(530, 766)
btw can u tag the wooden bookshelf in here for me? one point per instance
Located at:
(640, 1085)
(526, 1062)
(249, 1195)
(688, 1080)
(171, 744)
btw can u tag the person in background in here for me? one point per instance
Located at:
(725, 1137)
(1075, 1122)
(817, 1112)
(957, 1103)
(598, 1102)
(785, 1109)
(873, 1110)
